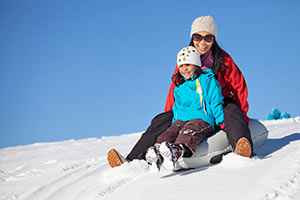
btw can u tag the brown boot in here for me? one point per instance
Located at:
(243, 147)
(114, 158)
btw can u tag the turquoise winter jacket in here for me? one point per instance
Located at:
(199, 98)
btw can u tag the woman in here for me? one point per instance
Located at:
(234, 90)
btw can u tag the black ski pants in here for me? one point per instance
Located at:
(234, 119)
(235, 123)
(158, 125)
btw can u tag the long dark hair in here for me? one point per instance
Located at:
(218, 55)
(178, 78)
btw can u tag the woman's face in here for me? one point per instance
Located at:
(187, 70)
(203, 46)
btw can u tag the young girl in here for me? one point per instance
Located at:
(196, 110)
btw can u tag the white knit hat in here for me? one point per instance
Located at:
(204, 23)
(188, 55)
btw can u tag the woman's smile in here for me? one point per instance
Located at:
(202, 47)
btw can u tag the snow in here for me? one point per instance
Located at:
(77, 169)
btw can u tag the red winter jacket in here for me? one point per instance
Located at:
(233, 85)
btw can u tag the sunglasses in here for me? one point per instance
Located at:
(198, 38)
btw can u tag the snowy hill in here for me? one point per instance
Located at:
(79, 170)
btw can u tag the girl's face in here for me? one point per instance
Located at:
(187, 70)
(203, 46)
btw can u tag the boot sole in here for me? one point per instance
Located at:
(113, 158)
(243, 147)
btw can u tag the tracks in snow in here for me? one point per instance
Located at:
(89, 181)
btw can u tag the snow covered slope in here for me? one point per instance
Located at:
(79, 170)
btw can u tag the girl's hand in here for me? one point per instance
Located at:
(222, 126)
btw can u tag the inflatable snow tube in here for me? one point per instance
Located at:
(211, 150)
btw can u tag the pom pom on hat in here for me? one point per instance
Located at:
(204, 23)
(188, 55)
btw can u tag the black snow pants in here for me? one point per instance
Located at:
(234, 119)
(158, 125)
(235, 123)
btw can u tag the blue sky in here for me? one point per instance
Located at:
(91, 68)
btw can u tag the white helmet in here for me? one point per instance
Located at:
(188, 55)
